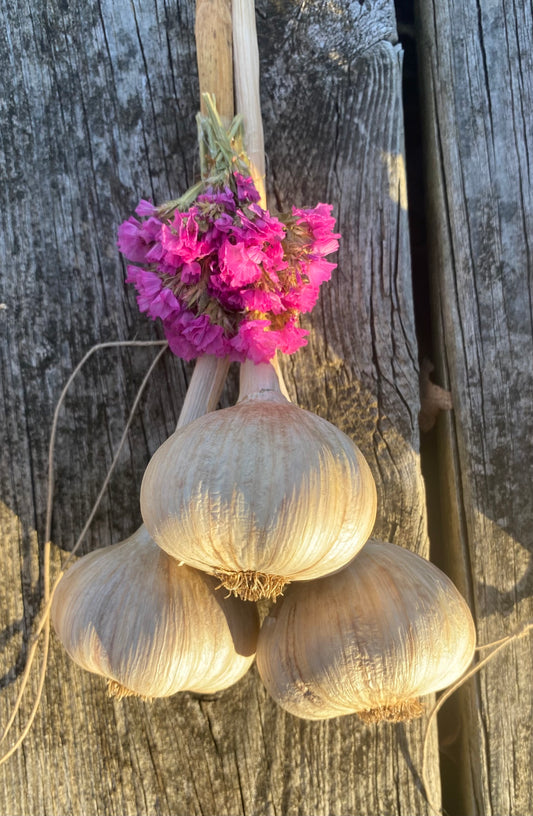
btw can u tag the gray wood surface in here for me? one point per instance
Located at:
(98, 110)
(477, 66)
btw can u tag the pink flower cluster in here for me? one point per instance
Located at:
(226, 277)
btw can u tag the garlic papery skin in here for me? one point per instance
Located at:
(132, 614)
(261, 493)
(371, 639)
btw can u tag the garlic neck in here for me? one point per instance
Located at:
(204, 389)
(282, 384)
(257, 378)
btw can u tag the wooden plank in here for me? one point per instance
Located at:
(99, 109)
(478, 94)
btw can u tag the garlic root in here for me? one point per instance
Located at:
(250, 585)
(401, 712)
(118, 692)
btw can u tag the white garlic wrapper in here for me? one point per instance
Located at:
(260, 494)
(130, 613)
(371, 639)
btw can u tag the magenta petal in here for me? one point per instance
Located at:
(131, 242)
(155, 254)
(164, 305)
(236, 266)
(302, 299)
(146, 282)
(190, 336)
(291, 338)
(145, 207)
(246, 190)
(320, 224)
(255, 341)
(190, 272)
(319, 271)
(256, 300)
(148, 287)
(179, 345)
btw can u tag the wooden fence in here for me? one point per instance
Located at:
(98, 104)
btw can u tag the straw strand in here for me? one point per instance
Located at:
(43, 621)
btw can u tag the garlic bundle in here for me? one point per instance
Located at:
(261, 493)
(129, 612)
(370, 639)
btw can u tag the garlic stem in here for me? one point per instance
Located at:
(246, 76)
(248, 104)
(204, 389)
(256, 377)
(213, 33)
(282, 385)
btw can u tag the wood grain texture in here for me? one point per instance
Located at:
(478, 71)
(214, 53)
(98, 110)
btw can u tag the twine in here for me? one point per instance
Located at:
(43, 621)
(496, 645)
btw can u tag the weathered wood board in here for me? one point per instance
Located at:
(477, 69)
(98, 108)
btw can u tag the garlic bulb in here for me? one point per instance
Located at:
(261, 493)
(131, 613)
(370, 639)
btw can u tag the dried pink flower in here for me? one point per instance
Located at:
(225, 276)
